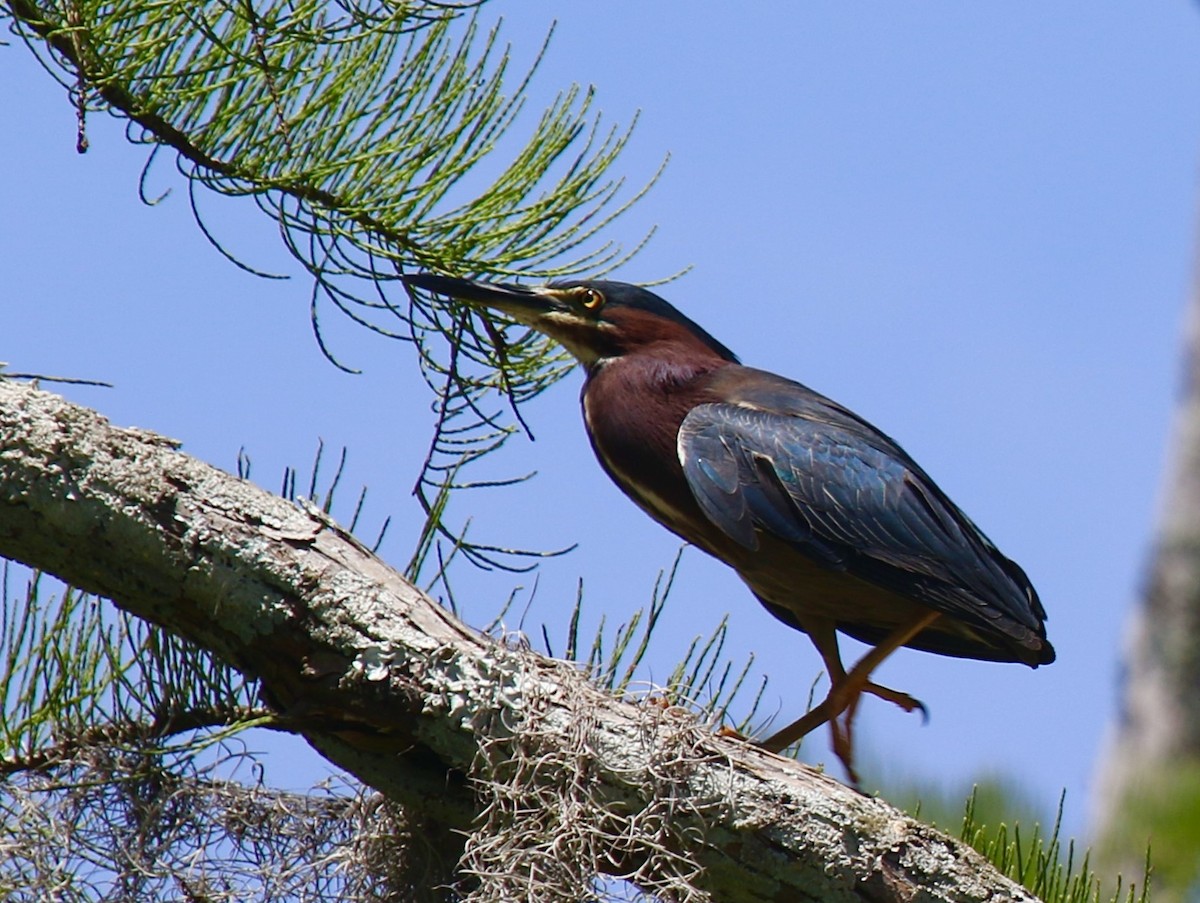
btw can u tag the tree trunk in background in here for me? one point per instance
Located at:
(1149, 782)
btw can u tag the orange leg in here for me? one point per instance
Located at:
(847, 687)
(824, 637)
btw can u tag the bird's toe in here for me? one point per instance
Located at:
(906, 702)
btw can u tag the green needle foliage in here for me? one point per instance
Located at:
(121, 776)
(1042, 865)
(372, 135)
(74, 673)
(355, 126)
(705, 680)
(1005, 825)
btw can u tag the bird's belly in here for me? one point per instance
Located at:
(784, 578)
(805, 593)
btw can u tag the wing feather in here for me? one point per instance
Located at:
(823, 480)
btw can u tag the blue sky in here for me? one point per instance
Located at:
(973, 223)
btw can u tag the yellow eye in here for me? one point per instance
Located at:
(591, 299)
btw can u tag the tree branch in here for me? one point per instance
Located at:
(390, 687)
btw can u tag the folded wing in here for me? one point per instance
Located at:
(783, 460)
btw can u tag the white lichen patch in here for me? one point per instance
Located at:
(476, 692)
(373, 663)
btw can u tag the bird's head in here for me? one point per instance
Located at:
(593, 319)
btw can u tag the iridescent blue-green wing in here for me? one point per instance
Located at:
(782, 460)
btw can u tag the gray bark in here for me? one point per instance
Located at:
(390, 687)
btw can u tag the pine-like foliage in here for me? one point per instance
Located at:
(380, 138)
(1040, 861)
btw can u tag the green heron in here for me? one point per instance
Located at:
(827, 520)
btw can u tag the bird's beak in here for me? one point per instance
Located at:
(525, 304)
(559, 312)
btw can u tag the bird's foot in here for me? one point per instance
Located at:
(906, 702)
(843, 748)
(841, 730)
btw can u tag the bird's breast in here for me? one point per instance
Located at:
(632, 411)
